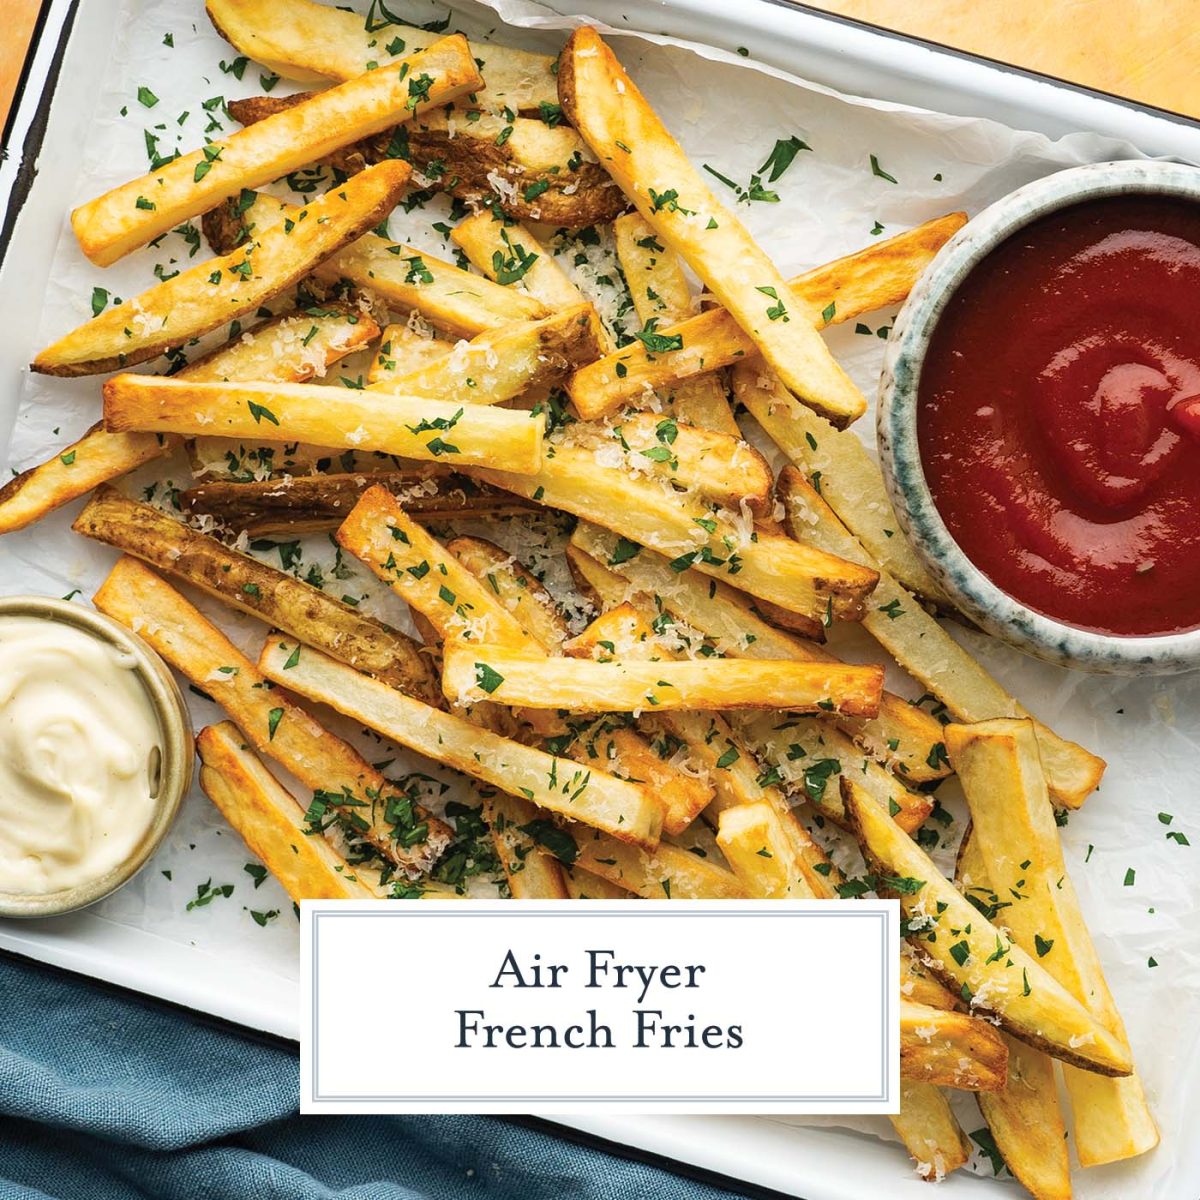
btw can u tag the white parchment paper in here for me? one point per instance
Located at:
(1141, 890)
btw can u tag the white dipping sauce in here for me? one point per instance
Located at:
(77, 731)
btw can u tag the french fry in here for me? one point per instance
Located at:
(308, 42)
(1025, 1116)
(410, 426)
(342, 781)
(806, 756)
(992, 973)
(529, 169)
(661, 294)
(1013, 823)
(851, 483)
(930, 654)
(583, 885)
(667, 872)
(401, 350)
(762, 855)
(448, 297)
(129, 216)
(918, 985)
(647, 512)
(624, 810)
(950, 1049)
(509, 676)
(211, 293)
(650, 167)
(252, 587)
(271, 821)
(872, 278)
(903, 736)
(928, 1128)
(532, 874)
(317, 503)
(501, 363)
(722, 468)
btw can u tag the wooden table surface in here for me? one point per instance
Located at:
(1142, 49)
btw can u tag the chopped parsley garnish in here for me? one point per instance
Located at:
(487, 678)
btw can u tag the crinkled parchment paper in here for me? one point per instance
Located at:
(1140, 890)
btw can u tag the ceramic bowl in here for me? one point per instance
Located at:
(175, 768)
(972, 592)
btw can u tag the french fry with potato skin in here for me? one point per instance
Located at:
(929, 1130)
(924, 649)
(262, 591)
(1012, 823)
(994, 974)
(613, 117)
(190, 304)
(110, 226)
(762, 855)
(1025, 1116)
(583, 885)
(950, 1049)
(645, 511)
(289, 348)
(625, 811)
(317, 503)
(530, 680)
(532, 874)
(348, 418)
(341, 779)
(872, 278)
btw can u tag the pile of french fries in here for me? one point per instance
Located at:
(697, 739)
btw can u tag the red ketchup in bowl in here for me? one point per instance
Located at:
(1059, 416)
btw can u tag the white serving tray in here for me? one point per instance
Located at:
(39, 168)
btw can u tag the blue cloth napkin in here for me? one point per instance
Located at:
(104, 1097)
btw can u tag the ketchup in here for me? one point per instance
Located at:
(1059, 415)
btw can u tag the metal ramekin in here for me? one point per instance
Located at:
(899, 451)
(175, 733)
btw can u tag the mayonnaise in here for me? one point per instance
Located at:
(78, 736)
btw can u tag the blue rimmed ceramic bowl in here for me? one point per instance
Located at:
(899, 452)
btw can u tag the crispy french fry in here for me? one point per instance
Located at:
(411, 426)
(929, 1131)
(1025, 1116)
(250, 586)
(529, 169)
(583, 885)
(661, 294)
(532, 874)
(650, 167)
(903, 736)
(402, 350)
(851, 483)
(271, 821)
(930, 654)
(647, 512)
(1013, 823)
(306, 41)
(762, 855)
(994, 974)
(624, 810)
(950, 1049)
(918, 985)
(722, 468)
(211, 293)
(340, 778)
(135, 213)
(317, 503)
(286, 348)
(879, 275)
(471, 673)
(448, 297)
(501, 363)
(806, 756)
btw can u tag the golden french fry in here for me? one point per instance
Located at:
(410, 426)
(872, 278)
(583, 885)
(929, 1131)
(762, 855)
(624, 810)
(250, 586)
(211, 293)
(532, 874)
(929, 653)
(402, 350)
(135, 213)
(1012, 822)
(650, 167)
(950, 1049)
(342, 781)
(969, 953)
(475, 672)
